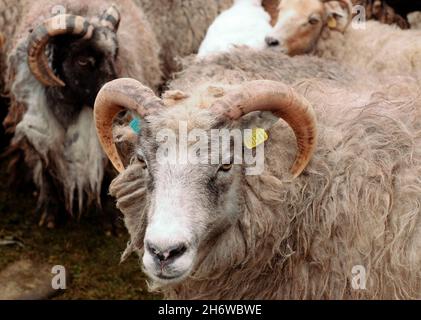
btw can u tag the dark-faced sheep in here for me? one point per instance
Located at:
(347, 226)
(61, 53)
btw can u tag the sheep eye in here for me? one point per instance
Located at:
(313, 20)
(85, 61)
(225, 167)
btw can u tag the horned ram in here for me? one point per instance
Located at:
(341, 221)
(61, 53)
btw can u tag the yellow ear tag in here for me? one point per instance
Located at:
(257, 137)
(331, 22)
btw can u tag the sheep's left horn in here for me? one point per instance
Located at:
(114, 97)
(111, 18)
(284, 103)
(39, 38)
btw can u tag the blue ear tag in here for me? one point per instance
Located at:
(135, 125)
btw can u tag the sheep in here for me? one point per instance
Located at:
(415, 19)
(180, 26)
(374, 10)
(349, 207)
(381, 11)
(52, 92)
(9, 18)
(377, 48)
(245, 23)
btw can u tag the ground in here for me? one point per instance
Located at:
(87, 249)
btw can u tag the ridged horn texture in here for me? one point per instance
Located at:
(39, 38)
(111, 18)
(114, 97)
(284, 103)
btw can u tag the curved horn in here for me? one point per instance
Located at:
(39, 38)
(111, 18)
(283, 102)
(115, 97)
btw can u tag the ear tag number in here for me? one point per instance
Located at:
(135, 125)
(257, 137)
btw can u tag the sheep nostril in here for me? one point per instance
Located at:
(167, 255)
(271, 42)
(176, 252)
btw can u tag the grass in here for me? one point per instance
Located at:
(87, 249)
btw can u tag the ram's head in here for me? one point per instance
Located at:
(186, 202)
(73, 56)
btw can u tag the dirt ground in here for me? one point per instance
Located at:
(87, 249)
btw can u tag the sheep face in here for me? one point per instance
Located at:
(80, 59)
(300, 24)
(84, 66)
(190, 203)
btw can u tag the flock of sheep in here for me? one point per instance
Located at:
(339, 98)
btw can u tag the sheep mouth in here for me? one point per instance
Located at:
(169, 278)
(166, 279)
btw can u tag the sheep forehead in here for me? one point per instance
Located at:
(172, 117)
(193, 110)
(106, 40)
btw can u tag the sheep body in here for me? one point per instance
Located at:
(415, 19)
(70, 154)
(180, 26)
(9, 18)
(366, 45)
(378, 48)
(357, 204)
(245, 23)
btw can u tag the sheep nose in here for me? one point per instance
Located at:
(271, 42)
(167, 255)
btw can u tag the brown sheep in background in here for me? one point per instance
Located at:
(379, 10)
(366, 45)
(375, 9)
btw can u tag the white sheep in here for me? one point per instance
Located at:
(245, 23)
(350, 221)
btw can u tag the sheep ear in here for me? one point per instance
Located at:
(337, 16)
(126, 136)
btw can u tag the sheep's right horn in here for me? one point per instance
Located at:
(115, 97)
(111, 18)
(283, 102)
(39, 38)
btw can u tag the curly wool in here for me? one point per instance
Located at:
(379, 48)
(357, 203)
(72, 156)
(180, 26)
